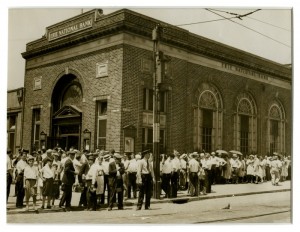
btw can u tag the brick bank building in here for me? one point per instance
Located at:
(89, 84)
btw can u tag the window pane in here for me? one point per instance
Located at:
(102, 128)
(162, 102)
(244, 134)
(37, 133)
(150, 100)
(144, 99)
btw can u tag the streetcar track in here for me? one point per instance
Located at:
(242, 218)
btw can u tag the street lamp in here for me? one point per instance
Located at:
(43, 138)
(86, 139)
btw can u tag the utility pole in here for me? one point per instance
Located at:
(156, 126)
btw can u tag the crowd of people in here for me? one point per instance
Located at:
(108, 178)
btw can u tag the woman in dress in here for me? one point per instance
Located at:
(250, 169)
(39, 163)
(227, 170)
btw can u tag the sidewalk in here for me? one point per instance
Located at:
(218, 191)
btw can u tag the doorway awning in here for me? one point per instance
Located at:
(70, 111)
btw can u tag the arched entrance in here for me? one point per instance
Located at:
(66, 113)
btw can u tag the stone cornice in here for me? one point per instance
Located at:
(128, 21)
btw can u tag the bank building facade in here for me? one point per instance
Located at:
(89, 84)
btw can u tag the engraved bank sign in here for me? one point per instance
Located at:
(70, 28)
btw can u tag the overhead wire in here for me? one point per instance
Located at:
(211, 10)
(246, 15)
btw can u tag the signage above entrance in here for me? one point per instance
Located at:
(70, 28)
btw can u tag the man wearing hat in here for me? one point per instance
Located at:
(132, 170)
(183, 172)
(105, 165)
(193, 169)
(116, 170)
(48, 153)
(275, 170)
(68, 180)
(48, 178)
(30, 179)
(20, 179)
(9, 173)
(145, 179)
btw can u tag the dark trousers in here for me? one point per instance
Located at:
(268, 175)
(91, 197)
(106, 186)
(208, 179)
(194, 182)
(166, 180)
(213, 174)
(145, 190)
(174, 184)
(112, 190)
(21, 191)
(8, 183)
(83, 197)
(131, 184)
(66, 197)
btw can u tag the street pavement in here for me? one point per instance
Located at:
(218, 191)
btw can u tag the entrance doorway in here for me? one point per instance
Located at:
(68, 141)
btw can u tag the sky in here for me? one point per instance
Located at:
(266, 32)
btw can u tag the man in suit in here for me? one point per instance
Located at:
(116, 170)
(68, 180)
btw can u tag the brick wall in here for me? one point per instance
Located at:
(84, 67)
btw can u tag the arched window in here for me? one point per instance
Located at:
(276, 128)
(208, 119)
(245, 124)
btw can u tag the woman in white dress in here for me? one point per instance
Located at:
(250, 169)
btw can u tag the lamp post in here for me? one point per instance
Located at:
(43, 138)
(157, 78)
(86, 139)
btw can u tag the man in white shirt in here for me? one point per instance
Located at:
(175, 173)
(91, 191)
(105, 165)
(47, 176)
(194, 168)
(30, 179)
(131, 171)
(183, 172)
(166, 171)
(145, 179)
(275, 167)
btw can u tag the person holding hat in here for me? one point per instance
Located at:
(30, 179)
(145, 180)
(48, 178)
(116, 170)
(9, 173)
(20, 179)
(68, 180)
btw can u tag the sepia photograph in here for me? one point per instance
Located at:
(149, 115)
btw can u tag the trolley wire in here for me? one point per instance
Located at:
(212, 11)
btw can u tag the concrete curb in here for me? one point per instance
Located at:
(178, 200)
